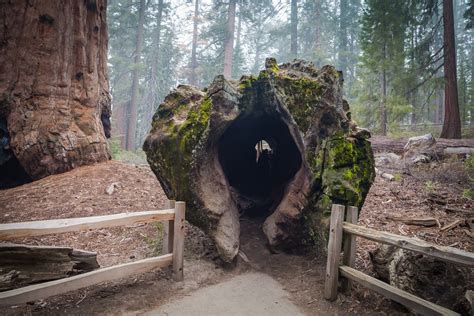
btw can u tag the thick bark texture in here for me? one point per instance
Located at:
(203, 149)
(54, 99)
(452, 121)
(229, 40)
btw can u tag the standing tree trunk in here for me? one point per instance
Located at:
(383, 99)
(151, 96)
(132, 113)
(192, 78)
(412, 94)
(156, 48)
(239, 31)
(471, 106)
(54, 91)
(317, 33)
(229, 41)
(258, 49)
(237, 62)
(343, 20)
(294, 28)
(452, 122)
(439, 106)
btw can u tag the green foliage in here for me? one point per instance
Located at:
(469, 15)
(467, 194)
(431, 186)
(115, 148)
(155, 241)
(397, 177)
(402, 39)
(137, 157)
(382, 37)
(122, 16)
(469, 163)
(469, 167)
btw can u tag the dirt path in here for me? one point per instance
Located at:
(246, 294)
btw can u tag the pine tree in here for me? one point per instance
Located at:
(382, 42)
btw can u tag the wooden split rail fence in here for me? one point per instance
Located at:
(348, 230)
(173, 248)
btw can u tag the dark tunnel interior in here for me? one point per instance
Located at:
(259, 181)
(12, 173)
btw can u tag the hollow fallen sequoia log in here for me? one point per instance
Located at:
(280, 145)
(21, 265)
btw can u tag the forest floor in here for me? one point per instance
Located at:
(82, 192)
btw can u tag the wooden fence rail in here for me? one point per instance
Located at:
(173, 244)
(348, 230)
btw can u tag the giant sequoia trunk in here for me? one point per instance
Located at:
(54, 99)
(205, 148)
(452, 121)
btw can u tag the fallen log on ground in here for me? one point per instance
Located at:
(452, 225)
(21, 265)
(387, 176)
(386, 144)
(418, 221)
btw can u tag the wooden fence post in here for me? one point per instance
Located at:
(178, 241)
(334, 252)
(349, 247)
(168, 233)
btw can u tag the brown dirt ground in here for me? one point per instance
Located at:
(81, 192)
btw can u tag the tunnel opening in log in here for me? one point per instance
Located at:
(259, 158)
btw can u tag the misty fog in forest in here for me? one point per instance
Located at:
(392, 55)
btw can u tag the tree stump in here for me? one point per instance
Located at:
(205, 148)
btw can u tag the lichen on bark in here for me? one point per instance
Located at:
(201, 148)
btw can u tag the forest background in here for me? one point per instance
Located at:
(392, 55)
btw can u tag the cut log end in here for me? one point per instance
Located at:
(21, 265)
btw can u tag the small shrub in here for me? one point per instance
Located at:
(397, 177)
(155, 242)
(467, 194)
(469, 167)
(431, 186)
(469, 163)
(137, 157)
(115, 150)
